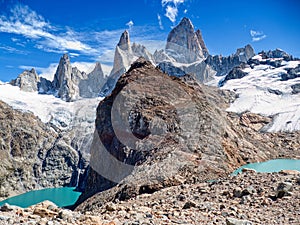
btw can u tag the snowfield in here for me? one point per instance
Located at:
(263, 92)
(49, 108)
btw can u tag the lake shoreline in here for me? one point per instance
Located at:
(259, 198)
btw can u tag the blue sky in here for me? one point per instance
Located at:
(36, 33)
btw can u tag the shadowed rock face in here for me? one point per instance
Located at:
(156, 131)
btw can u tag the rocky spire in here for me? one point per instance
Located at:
(124, 42)
(183, 44)
(202, 44)
(64, 82)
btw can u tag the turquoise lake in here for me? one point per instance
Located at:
(62, 197)
(270, 166)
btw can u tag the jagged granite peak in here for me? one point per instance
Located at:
(202, 44)
(91, 86)
(124, 42)
(141, 50)
(183, 44)
(62, 77)
(27, 81)
(245, 53)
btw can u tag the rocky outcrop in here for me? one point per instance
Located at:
(235, 73)
(277, 53)
(183, 43)
(151, 137)
(46, 211)
(33, 156)
(27, 81)
(296, 88)
(291, 73)
(245, 53)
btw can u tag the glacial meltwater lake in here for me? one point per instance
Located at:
(270, 166)
(62, 197)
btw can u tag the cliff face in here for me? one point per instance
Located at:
(33, 156)
(151, 136)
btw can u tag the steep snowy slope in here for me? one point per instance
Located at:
(267, 88)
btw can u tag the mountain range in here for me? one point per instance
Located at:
(233, 110)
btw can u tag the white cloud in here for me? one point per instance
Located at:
(26, 22)
(171, 13)
(257, 35)
(171, 7)
(130, 24)
(175, 2)
(72, 54)
(160, 22)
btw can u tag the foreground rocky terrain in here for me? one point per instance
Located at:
(249, 198)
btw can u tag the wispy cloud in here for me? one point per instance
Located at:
(26, 22)
(10, 49)
(130, 24)
(257, 35)
(171, 13)
(160, 22)
(175, 2)
(171, 7)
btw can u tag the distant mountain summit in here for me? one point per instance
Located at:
(183, 43)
